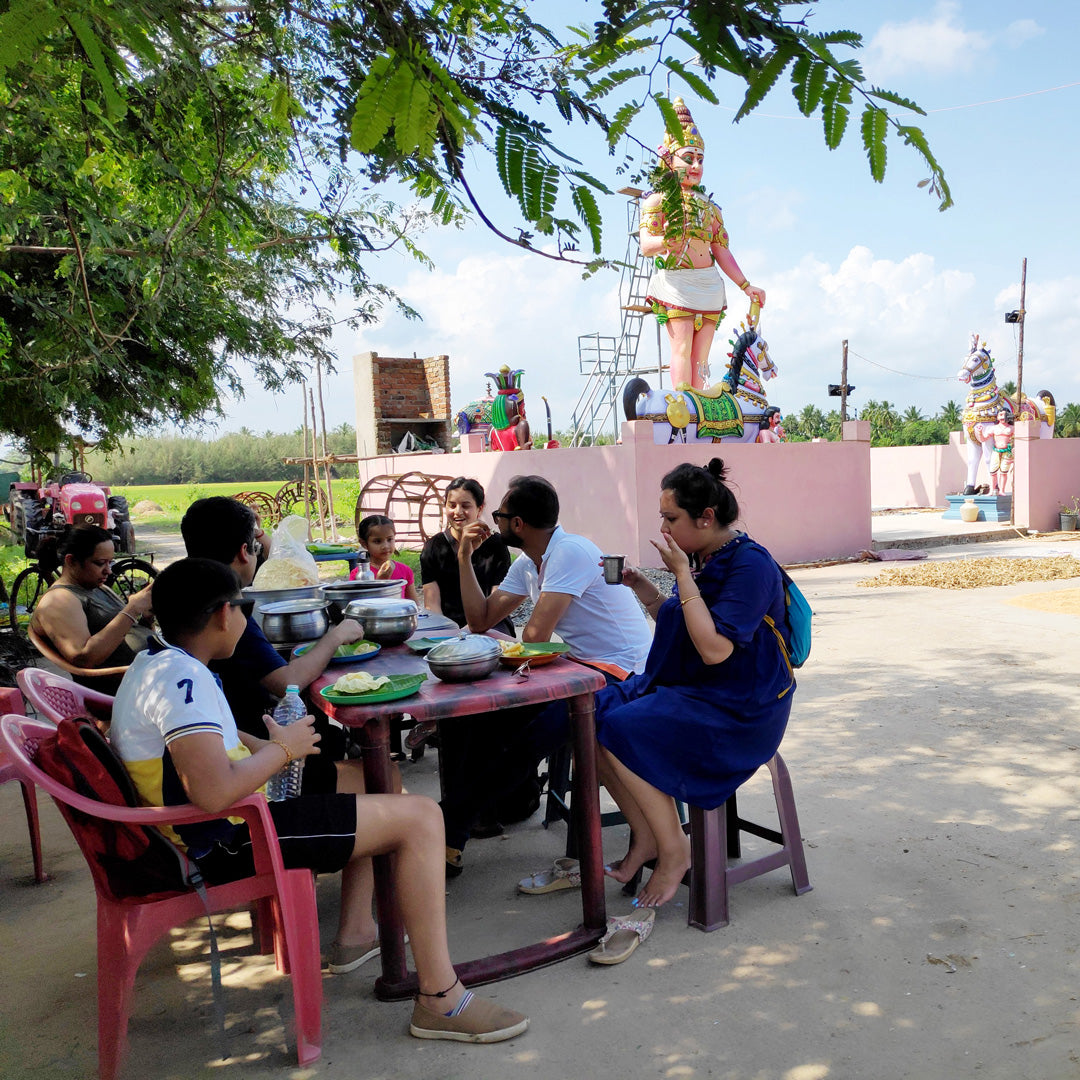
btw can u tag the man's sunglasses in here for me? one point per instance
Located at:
(502, 514)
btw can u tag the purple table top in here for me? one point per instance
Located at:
(437, 700)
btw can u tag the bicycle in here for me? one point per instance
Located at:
(129, 575)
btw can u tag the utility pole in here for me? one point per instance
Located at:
(1020, 346)
(843, 385)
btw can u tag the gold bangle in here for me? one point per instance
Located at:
(289, 755)
(696, 596)
(745, 282)
(134, 621)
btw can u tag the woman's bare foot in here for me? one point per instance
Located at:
(665, 880)
(625, 868)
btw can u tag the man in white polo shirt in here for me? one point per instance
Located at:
(603, 625)
(560, 573)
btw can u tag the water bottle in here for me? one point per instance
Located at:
(363, 568)
(286, 784)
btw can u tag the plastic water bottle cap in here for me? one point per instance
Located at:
(292, 688)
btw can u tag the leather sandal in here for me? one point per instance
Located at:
(563, 874)
(624, 934)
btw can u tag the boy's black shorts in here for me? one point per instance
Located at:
(316, 832)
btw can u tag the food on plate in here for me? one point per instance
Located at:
(359, 682)
(512, 648)
(356, 648)
(284, 573)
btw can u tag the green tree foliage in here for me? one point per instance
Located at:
(887, 427)
(1067, 422)
(161, 217)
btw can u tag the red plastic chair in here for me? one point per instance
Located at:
(56, 697)
(11, 699)
(128, 928)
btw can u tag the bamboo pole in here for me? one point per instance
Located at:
(307, 471)
(326, 456)
(1019, 372)
(315, 461)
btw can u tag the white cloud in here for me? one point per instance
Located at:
(1021, 31)
(939, 44)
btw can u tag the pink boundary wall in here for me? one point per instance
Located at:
(917, 475)
(803, 501)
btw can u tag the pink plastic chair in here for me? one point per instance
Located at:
(128, 928)
(11, 700)
(714, 838)
(56, 697)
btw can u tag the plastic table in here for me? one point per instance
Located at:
(436, 701)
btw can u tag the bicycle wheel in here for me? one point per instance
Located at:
(28, 588)
(130, 575)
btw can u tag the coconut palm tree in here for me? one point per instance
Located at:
(952, 414)
(1067, 424)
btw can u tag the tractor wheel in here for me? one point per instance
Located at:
(35, 516)
(28, 588)
(126, 531)
(131, 575)
(119, 506)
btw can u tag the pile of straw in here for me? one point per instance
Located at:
(977, 573)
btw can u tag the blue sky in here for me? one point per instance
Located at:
(839, 255)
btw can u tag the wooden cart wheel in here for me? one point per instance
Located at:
(264, 504)
(290, 499)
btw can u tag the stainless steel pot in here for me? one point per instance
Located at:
(295, 620)
(465, 658)
(339, 593)
(262, 597)
(387, 621)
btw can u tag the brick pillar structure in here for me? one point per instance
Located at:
(398, 394)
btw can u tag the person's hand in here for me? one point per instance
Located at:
(754, 293)
(346, 632)
(386, 569)
(674, 557)
(633, 578)
(300, 737)
(138, 603)
(472, 536)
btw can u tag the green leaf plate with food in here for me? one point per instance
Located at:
(533, 653)
(393, 688)
(425, 644)
(331, 549)
(352, 653)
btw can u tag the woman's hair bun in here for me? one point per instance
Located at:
(717, 468)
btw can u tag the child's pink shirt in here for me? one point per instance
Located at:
(401, 570)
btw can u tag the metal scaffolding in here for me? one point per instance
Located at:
(608, 362)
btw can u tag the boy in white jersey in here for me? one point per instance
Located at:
(175, 732)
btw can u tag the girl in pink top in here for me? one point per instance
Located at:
(376, 536)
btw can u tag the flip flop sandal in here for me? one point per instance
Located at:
(624, 934)
(564, 874)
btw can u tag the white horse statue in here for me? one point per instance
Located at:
(729, 411)
(984, 400)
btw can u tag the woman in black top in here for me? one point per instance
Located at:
(438, 560)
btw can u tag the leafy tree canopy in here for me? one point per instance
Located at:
(174, 191)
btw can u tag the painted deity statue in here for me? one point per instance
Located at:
(509, 428)
(1001, 453)
(771, 426)
(982, 417)
(733, 410)
(686, 291)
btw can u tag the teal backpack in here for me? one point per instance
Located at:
(798, 619)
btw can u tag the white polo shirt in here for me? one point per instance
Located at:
(603, 622)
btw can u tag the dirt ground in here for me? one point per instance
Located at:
(935, 752)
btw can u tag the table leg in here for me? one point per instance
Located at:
(375, 742)
(586, 814)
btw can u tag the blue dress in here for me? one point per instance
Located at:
(697, 731)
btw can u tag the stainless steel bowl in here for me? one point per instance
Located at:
(295, 620)
(262, 597)
(466, 658)
(387, 621)
(338, 594)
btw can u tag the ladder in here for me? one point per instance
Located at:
(608, 362)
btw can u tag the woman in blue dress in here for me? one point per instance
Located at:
(713, 701)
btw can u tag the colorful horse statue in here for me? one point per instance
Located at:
(984, 400)
(713, 415)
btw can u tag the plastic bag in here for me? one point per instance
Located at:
(290, 564)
